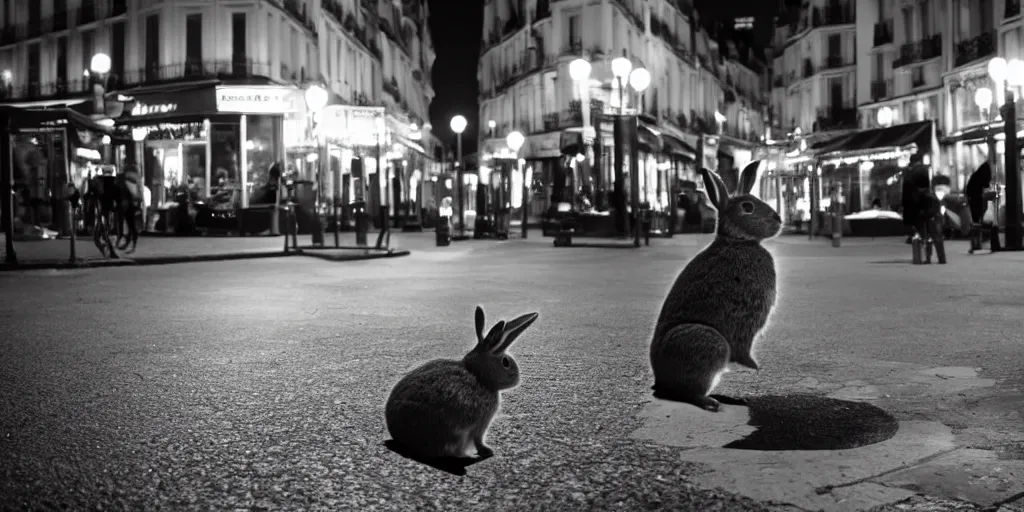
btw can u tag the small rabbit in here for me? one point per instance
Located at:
(444, 408)
(721, 299)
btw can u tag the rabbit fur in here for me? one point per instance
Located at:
(444, 407)
(720, 301)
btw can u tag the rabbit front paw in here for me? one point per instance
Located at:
(709, 404)
(483, 451)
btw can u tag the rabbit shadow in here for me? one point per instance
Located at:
(722, 399)
(452, 465)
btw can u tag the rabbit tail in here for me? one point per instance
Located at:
(688, 361)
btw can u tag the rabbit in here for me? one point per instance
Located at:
(720, 301)
(444, 407)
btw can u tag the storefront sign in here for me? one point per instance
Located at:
(255, 100)
(353, 125)
(168, 103)
(544, 145)
(145, 109)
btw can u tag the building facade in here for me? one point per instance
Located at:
(928, 59)
(814, 70)
(525, 85)
(213, 92)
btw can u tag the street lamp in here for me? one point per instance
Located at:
(491, 124)
(639, 79)
(579, 71)
(458, 125)
(1007, 75)
(316, 99)
(515, 140)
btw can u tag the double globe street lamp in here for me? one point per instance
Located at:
(627, 123)
(515, 141)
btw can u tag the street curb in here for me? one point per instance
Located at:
(192, 258)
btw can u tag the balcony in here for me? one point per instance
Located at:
(977, 47)
(86, 13)
(918, 51)
(835, 62)
(835, 14)
(55, 89)
(1012, 9)
(239, 68)
(836, 118)
(881, 89)
(883, 32)
(334, 10)
(297, 10)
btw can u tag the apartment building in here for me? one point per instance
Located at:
(526, 86)
(228, 78)
(903, 57)
(814, 69)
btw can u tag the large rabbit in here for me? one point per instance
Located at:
(720, 301)
(444, 408)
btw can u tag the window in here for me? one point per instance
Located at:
(879, 66)
(925, 13)
(62, 60)
(986, 12)
(33, 69)
(152, 47)
(908, 24)
(239, 55)
(193, 44)
(575, 41)
(87, 49)
(117, 50)
(35, 13)
(835, 45)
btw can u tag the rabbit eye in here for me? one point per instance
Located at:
(747, 207)
(505, 362)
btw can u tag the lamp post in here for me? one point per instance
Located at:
(515, 141)
(1008, 75)
(579, 71)
(491, 125)
(316, 99)
(458, 125)
(99, 67)
(638, 79)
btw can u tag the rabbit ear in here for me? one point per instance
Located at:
(717, 192)
(748, 178)
(479, 324)
(513, 329)
(487, 343)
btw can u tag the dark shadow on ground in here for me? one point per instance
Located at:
(453, 465)
(907, 261)
(808, 422)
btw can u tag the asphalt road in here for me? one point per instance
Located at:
(260, 384)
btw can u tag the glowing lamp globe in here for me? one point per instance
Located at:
(515, 140)
(458, 124)
(621, 66)
(100, 63)
(997, 69)
(316, 98)
(983, 98)
(639, 79)
(1015, 72)
(579, 70)
(884, 116)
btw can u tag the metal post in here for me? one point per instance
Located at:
(7, 186)
(618, 188)
(336, 195)
(1013, 182)
(525, 203)
(634, 177)
(458, 186)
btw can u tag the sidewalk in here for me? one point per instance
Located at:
(165, 250)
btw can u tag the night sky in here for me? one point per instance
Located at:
(457, 27)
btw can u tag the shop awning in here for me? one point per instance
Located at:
(678, 147)
(37, 118)
(649, 136)
(919, 133)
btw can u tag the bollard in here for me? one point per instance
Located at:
(915, 247)
(443, 231)
(837, 229)
(73, 199)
